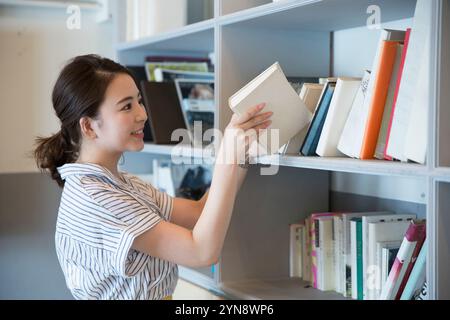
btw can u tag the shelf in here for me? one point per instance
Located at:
(89, 5)
(196, 37)
(177, 151)
(442, 174)
(197, 277)
(318, 15)
(277, 289)
(375, 167)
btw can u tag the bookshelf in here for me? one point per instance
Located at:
(309, 38)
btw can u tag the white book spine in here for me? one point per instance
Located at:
(325, 255)
(338, 257)
(410, 77)
(307, 253)
(340, 105)
(295, 263)
(417, 134)
(354, 260)
(352, 126)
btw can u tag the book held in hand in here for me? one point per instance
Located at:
(290, 114)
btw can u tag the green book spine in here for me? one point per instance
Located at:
(359, 259)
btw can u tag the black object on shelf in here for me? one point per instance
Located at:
(139, 75)
(194, 184)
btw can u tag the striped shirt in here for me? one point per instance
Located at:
(99, 217)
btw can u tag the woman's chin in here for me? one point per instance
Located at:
(135, 147)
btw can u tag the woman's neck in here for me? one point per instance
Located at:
(110, 162)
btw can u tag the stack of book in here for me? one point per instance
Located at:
(362, 255)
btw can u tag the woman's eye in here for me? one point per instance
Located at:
(127, 107)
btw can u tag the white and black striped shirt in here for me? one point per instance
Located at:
(99, 217)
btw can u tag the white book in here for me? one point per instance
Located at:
(338, 256)
(408, 90)
(386, 253)
(365, 235)
(357, 122)
(306, 252)
(295, 250)
(416, 140)
(310, 94)
(345, 267)
(381, 142)
(340, 105)
(354, 263)
(325, 255)
(290, 114)
(346, 143)
(380, 231)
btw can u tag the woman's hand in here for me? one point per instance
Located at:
(241, 133)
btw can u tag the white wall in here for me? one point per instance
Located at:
(34, 45)
(352, 60)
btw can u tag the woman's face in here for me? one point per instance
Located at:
(122, 117)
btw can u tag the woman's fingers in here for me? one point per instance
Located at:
(263, 125)
(256, 120)
(250, 113)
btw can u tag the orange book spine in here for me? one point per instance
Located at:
(381, 87)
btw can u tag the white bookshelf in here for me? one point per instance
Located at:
(179, 151)
(306, 37)
(377, 167)
(277, 289)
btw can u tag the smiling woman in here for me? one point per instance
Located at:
(118, 237)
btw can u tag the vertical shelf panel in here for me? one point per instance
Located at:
(443, 69)
(442, 244)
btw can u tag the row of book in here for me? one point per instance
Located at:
(177, 91)
(382, 115)
(362, 255)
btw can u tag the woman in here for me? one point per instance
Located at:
(118, 237)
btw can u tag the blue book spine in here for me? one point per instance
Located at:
(312, 138)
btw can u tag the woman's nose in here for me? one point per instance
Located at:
(142, 113)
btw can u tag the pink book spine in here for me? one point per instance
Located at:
(415, 233)
(397, 87)
(394, 274)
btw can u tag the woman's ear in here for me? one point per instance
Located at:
(87, 128)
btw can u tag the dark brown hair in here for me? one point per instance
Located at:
(78, 92)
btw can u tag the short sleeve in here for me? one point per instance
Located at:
(163, 200)
(127, 218)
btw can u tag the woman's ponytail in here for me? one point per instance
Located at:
(53, 152)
